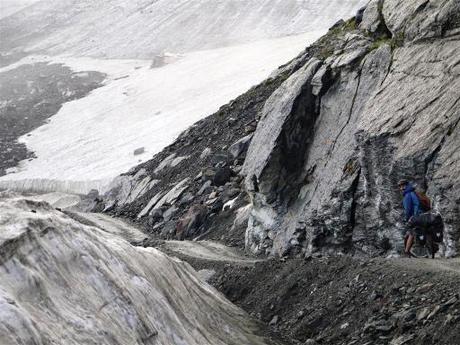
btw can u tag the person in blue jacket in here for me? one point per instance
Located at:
(412, 207)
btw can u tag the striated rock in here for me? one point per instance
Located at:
(337, 135)
(171, 196)
(169, 162)
(421, 19)
(276, 112)
(126, 188)
(368, 104)
(150, 205)
(206, 152)
(205, 188)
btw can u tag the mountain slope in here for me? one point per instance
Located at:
(144, 28)
(9, 7)
(335, 130)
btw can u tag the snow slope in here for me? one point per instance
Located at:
(62, 282)
(143, 28)
(139, 107)
(9, 7)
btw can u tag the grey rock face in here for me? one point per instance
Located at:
(336, 137)
(125, 189)
(421, 19)
(372, 18)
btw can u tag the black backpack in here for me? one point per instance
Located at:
(431, 223)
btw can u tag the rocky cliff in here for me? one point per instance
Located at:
(310, 158)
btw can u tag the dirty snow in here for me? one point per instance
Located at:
(63, 282)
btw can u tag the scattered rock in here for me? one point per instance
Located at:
(206, 152)
(169, 213)
(403, 339)
(424, 288)
(274, 321)
(208, 175)
(240, 146)
(205, 189)
(139, 151)
(189, 224)
(422, 314)
(186, 199)
(222, 176)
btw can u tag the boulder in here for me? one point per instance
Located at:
(139, 151)
(205, 188)
(189, 224)
(240, 146)
(222, 176)
(372, 17)
(169, 162)
(171, 197)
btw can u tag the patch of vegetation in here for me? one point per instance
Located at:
(381, 41)
(343, 28)
(393, 42)
(326, 45)
(325, 52)
(398, 40)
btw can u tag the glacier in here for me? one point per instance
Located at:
(64, 282)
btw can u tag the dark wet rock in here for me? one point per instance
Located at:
(359, 15)
(222, 176)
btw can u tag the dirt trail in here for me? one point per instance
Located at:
(111, 225)
(199, 250)
(437, 265)
(208, 251)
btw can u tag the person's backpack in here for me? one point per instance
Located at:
(425, 202)
(430, 222)
(437, 228)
